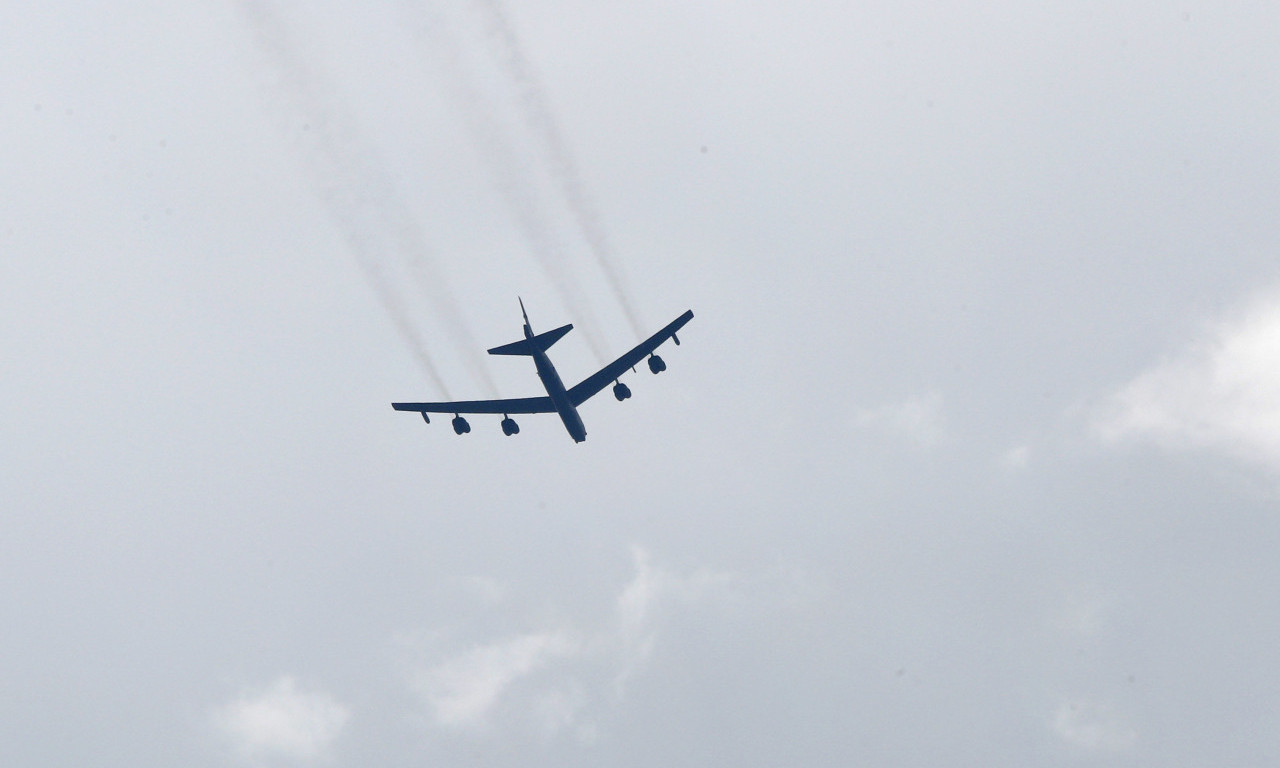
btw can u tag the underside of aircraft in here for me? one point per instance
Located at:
(559, 399)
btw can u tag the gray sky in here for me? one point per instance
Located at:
(969, 457)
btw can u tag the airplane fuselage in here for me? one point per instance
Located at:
(560, 397)
(557, 392)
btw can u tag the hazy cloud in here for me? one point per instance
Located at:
(918, 420)
(1084, 611)
(488, 591)
(283, 722)
(462, 690)
(1221, 392)
(958, 221)
(1016, 458)
(559, 708)
(639, 602)
(1092, 726)
(566, 668)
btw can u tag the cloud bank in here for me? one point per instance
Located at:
(917, 420)
(548, 679)
(1221, 393)
(283, 722)
(1092, 727)
(461, 691)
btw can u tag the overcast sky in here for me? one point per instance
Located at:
(970, 456)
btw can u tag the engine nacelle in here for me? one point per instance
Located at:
(656, 364)
(621, 391)
(460, 425)
(510, 427)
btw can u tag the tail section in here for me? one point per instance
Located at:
(534, 344)
(531, 344)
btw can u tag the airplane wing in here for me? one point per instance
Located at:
(601, 379)
(511, 405)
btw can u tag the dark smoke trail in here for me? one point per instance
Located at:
(356, 188)
(511, 177)
(427, 277)
(541, 122)
(344, 214)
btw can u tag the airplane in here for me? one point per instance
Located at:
(558, 400)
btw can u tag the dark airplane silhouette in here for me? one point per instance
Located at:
(558, 399)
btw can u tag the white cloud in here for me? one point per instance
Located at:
(918, 420)
(283, 722)
(462, 690)
(564, 670)
(1092, 726)
(638, 604)
(1221, 393)
(641, 597)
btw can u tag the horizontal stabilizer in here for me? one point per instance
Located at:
(540, 343)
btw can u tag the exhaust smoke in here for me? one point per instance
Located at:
(540, 121)
(510, 174)
(362, 199)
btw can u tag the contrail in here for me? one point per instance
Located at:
(542, 123)
(510, 175)
(343, 213)
(355, 188)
